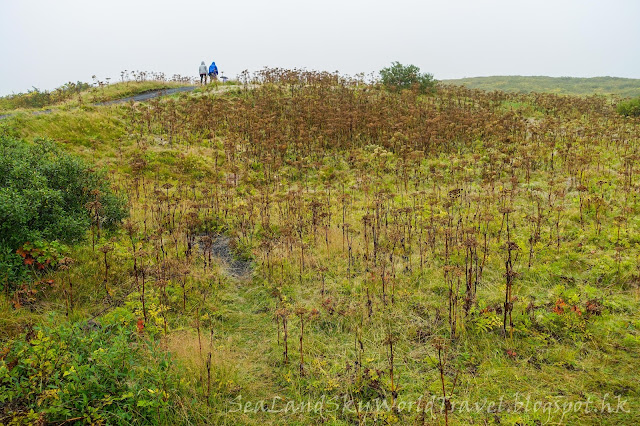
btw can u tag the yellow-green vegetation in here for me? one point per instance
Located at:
(624, 87)
(317, 250)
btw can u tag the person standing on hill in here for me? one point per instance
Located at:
(203, 73)
(213, 72)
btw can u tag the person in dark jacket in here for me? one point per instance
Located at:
(203, 73)
(213, 72)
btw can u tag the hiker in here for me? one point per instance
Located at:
(213, 72)
(203, 73)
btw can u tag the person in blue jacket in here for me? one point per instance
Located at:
(213, 72)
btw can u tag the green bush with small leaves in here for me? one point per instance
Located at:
(398, 77)
(630, 108)
(46, 195)
(87, 372)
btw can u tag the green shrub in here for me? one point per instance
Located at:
(630, 108)
(93, 373)
(398, 77)
(44, 196)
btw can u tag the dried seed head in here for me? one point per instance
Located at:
(106, 248)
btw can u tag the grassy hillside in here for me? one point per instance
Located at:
(318, 251)
(624, 87)
(76, 94)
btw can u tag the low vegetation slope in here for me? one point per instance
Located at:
(624, 87)
(317, 250)
(79, 93)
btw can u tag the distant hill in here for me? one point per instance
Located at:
(625, 87)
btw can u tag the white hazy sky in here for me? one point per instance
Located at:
(45, 43)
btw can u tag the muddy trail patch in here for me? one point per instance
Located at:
(220, 248)
(145, 96)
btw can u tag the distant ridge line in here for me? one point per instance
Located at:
(621, 86)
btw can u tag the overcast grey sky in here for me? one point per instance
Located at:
(45, 43)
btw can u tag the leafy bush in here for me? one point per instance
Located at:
(94, 373)
(45, 194)
(630, 108)
(399, 77)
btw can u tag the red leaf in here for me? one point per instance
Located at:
(140, 325)
(29, 261)
(559, 308)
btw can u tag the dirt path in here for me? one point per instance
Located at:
(148, 95)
